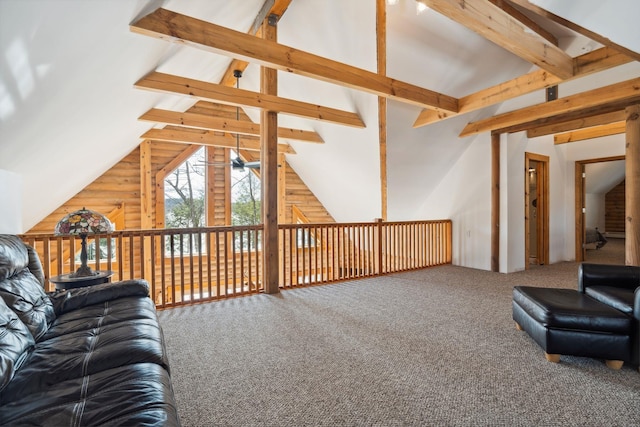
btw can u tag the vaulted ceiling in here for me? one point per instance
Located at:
(74, 79)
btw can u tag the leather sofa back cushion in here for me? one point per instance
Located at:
(15, 342)
(20, 289)
(14, 256)
(23, 293)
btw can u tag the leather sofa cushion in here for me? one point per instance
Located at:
(15, 342)
(24, 294)
(35, 266)
(72, 299)
(100, 315)
(618, 298)
(14, 256)
(21, 290)
(570, 309)
(125, 333)
(139, 394)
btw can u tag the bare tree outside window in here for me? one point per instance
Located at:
(246, 205)
(185, 201)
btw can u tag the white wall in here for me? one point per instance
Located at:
(595, 212)
(464, 196)
(11, 206)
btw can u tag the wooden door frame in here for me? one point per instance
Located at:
(542, 208)
(580, 201)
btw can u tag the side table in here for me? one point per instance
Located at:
(66, 281)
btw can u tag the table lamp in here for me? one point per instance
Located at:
(82, 223)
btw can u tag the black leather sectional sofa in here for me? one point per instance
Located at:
(89, 356)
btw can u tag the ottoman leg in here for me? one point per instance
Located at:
(614, 364)
(555, 358)
(518, 327)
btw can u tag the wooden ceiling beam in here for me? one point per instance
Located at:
(560, 119)
(624, 93)
(496, 25)
(590, 133)
(202, 121)
(577, 28)
(174, 27)
(207, 137)
(240, 97)
(583, 122)
(531, 24)
(589, 63)
(270, 7)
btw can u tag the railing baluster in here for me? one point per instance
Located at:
(309, 254)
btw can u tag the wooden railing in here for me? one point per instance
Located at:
(185, 266)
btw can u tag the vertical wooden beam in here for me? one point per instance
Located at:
(632, 186)
(579, 216)
(381, 47)
(495, 202)
(282, 195)
(146, 186)
(209, 182)
(146, 204)
(269, 170)
(227, 185)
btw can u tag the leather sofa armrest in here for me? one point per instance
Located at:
(72, 299)
(620, 276)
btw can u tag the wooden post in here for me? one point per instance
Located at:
(146, 203)
(632, 186)
(579, 214)
(282, 195)
(495, 202)
(269, 171)
(381, 46)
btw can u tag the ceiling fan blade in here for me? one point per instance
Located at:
(252, 165)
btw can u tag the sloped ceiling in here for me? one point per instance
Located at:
(603, 176)
(68, 108)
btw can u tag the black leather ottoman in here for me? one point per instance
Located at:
(565, 321)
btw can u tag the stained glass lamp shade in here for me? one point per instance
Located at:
(82, 223)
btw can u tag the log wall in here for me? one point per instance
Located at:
(615, 209)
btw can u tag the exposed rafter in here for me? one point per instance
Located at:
(496, 25)
(240, 97)
(270, 7)
(203, 121)
(577, 28)
(567, 117)
(589, 63)
(621, 94)
(583, 122)
(175, 27)
(532, 25)
(590, 133)
(206, 137)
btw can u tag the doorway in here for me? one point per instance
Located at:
(581, 223)
(536, 212)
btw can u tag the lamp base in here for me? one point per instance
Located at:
(83, 271)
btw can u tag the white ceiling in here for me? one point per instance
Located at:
(68, 109)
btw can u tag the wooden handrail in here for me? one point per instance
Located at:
(186, 266)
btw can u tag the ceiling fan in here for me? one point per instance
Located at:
(237, 163)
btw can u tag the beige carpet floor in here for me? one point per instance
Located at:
(434, 347)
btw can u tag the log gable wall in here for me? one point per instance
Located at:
(119, 188)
